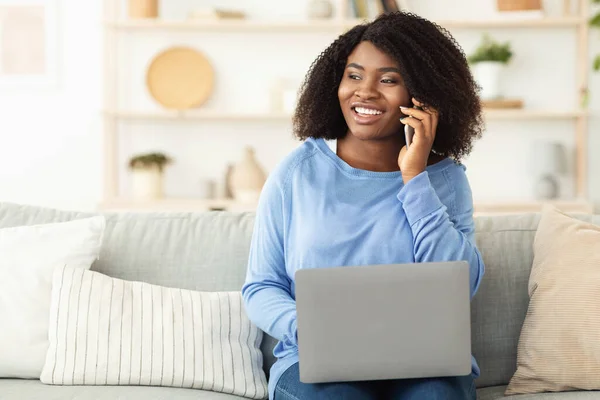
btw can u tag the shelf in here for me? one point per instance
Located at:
(512, 23)
(202, 205)
(522, 114)
(571, 206)
(228, 25)
(235, 29)
(234, 25)
(176, 204)
(195, 115)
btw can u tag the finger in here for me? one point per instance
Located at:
(416, 113)
(421, 116)
(419, 119)
(415, 123)
(434, 117)
(427, 109)
(417, 102)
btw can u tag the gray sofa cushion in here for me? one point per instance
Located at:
(197, 251)
(208, 251)
(497, 392)
(19, 389)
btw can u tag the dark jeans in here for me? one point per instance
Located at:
(289, 387)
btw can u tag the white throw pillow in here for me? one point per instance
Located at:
(28, 257)
(107, 331)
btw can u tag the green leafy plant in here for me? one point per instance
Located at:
(490, 50)
(149, 160)
(595, 22)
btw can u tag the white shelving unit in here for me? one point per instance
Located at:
(114, 27)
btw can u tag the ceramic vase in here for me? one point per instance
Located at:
(247, 178)
(547, 188)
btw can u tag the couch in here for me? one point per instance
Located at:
(208, 252)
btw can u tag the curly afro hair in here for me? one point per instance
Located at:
(434, 69)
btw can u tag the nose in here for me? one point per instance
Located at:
(366, 90)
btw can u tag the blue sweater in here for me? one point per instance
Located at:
(317, 211)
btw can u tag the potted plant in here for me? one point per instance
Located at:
(147, 175)
(487, 62)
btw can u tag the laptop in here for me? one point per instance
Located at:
(383, 322)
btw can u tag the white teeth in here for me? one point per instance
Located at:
(362, 110)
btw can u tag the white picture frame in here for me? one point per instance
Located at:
(29, 46)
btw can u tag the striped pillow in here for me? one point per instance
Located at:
(107, 331)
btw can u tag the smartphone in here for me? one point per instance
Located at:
(409, 132)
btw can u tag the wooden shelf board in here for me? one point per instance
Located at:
(524, 113)
(333, 24)
(174, 204)
(509, 207)
(512, 23)
(507, 114)
(202, 205)
(231, 25)
(199, 115)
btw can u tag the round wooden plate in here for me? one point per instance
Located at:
(180, 78)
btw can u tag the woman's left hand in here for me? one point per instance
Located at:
(413, 161)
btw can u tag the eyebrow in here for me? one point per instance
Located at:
(384, 69)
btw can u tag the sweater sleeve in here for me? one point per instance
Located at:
(267, 289)
(438, 235)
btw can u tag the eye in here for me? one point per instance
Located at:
(389, 80)
(353, 76)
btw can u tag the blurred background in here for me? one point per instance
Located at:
(186, 104)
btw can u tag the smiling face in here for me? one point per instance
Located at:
(371, 92)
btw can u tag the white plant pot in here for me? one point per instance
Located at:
(147, 184)
(487, 75)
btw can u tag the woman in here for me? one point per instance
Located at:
(372, 201)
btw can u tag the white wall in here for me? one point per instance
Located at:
(65, 169)
(50, 138)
